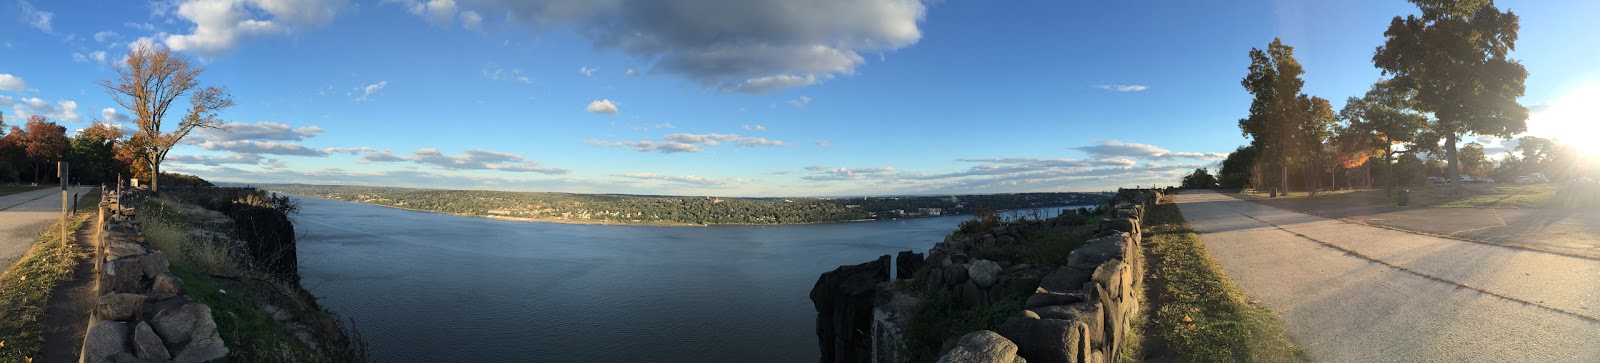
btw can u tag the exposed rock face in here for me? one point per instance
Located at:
(843, 298)
(984, 273)
(269, 237)
(1097, 251)
(891, 318)
(189, 333)
(1047, 340)
(125, 276)
(147, 345)
(906, 264)
(105, 339)
(982, 346)
(167, 283)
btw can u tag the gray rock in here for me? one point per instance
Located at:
(981, 346)
(1004, 240)
(278, 314)
(1087, 312)
(955, 274)
(984, 273)
(119, 306)
(147, 345)
(124, 276)
(971, 295)
(1047, 340)
(105, 339)
(1046, 298)
(1065, 279)
(154, 263)
(166, 283)
(189, 333)
(907, 263)
(1098, 250)
(125, 357)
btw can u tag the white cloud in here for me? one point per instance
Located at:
(368, 90)
(666, 126)
(630, 73)
(234, 158)
(263, 131)
(12, 83)
(588, 71)
(771, 45)
(471, 20)
(36, 18)
(800, 102)
(99, 56)
(824, 143)
(110, 115)
(685, 142)
(685, 179)
(262, 147)
(79, 57)
(473, 159)
(1119, 149)
(494, 72)
(819, 173)
(755, 128)
(602, 106)
(648, 146)
(1122, 88)
(64, 110)
(221, 25)
(105, 36)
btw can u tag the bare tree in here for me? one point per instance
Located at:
(146, 84)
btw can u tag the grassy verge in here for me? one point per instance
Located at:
(1050, 246)
(1440, 196)
(250, 334)
(941, 317)
(1198, 315)
(25, 290)
(14, 189)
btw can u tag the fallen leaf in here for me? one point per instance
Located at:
(1186, 318)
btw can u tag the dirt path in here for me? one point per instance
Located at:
(68, 314)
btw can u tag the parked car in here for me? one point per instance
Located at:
(1437, 180)
(1535, 178)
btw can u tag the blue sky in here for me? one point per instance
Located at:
(734, 97)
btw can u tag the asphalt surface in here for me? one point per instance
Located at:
(23, 217)
(1354, 293)
(1571, 231)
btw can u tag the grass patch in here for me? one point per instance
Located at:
(1049, 246)
(1200, 316)
(251, 336)
(25, 290)
(941, 317)
(14, 189)
(168, 226)
(1440, 196)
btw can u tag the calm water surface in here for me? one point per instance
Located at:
(428, 287)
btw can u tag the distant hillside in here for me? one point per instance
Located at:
(642, 209)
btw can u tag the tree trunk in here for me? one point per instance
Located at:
(1283, 177)
(1452, 167)
(155, 178)
(1388, 171)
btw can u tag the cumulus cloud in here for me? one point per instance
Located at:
(111, 115)
(824, 143)
(79, 57)
(494, 72)
(772, 44)
(1119, 149)
(686, 142)
(821, 173)
(36, 18)
(1122, 88)
(106, 36)
(602, 106)
(473, 159)
(267, 131)
(235, 158)
(685, 179)
(800, 102)
(98, 56)
(755, 128)
(588, 71)
(12, 83)
(63, 110)
(471, 20)
(222, 25)
(262, 147)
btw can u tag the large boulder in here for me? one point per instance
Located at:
(147, 345)
(891, 323)
(153, 264)
(105, 339)
(1098, 250)
(116, 306)
(1065, 279)
(1124, 224)
(125, 276)
(984, 273)
(1047, 340)
(189, 333)
(907, 263)
(843, 300)
(166, 283)
(1048, 298)
(982, 346)
(955, 274)
(1086, 312)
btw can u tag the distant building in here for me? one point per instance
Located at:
(929, 211)
(954, 200)
(897, 213)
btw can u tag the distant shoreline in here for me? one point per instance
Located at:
(639, 224)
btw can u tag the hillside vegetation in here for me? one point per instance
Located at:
(616, 208)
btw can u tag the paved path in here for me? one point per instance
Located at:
(1354, 293)
(23, 216)
(1563, 230)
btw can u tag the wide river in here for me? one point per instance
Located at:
(424, 287)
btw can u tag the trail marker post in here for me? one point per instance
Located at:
(61, 173)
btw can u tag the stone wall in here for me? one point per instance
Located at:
(1079, 312)
(142, 313)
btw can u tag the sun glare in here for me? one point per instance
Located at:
(1574, 118)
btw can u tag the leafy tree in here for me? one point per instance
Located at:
(43, 144)
(1382, 121)
(94, 153)
(146, 84)
(1473, 161)
(1279, 113)
(1236, 169)
(1314, 131)
(1455, 58)
(1200, 179)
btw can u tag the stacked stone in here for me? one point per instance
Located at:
(142, 314)
(1081, 312)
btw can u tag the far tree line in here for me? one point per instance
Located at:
(1450, 75)
(147, 83)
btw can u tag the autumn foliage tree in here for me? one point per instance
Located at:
(1455, 58)
(1379, 124)
(1286, 126)
(147, 83)
(42, 144)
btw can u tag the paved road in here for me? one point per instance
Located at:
(1574, 231)
(23, 216)
(1354, 293)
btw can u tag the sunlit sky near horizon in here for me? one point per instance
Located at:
(736, 97)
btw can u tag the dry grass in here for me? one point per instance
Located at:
(25, 290)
